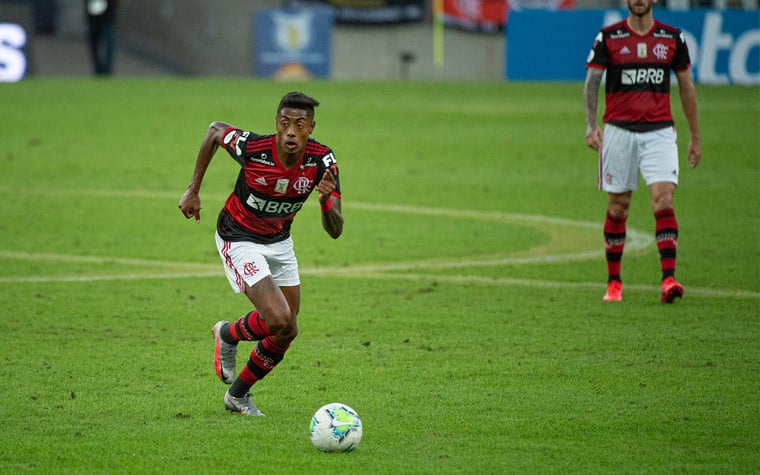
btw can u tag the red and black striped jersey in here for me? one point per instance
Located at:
(637, 92)
(267, 196)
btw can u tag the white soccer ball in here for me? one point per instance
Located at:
(335, 427)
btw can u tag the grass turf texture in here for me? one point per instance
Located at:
(460, 314)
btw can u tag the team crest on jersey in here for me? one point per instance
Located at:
(282, 185)
(302, 185)
(641, 50)
(660, 51)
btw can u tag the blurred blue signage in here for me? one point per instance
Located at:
(12, 56)
(292, 44)
(369, 11)
(724, 45)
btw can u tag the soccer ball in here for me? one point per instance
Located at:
(335, 427)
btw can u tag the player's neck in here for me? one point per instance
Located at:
(288, 160)
(640, 24)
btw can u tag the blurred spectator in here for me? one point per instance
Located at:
(45, 16)
(101, 22)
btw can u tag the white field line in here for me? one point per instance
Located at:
(180, 270)
(637, 240)
(347, 273)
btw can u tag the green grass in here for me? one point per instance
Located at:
(460, 313)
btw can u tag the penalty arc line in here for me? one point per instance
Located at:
(638, 240)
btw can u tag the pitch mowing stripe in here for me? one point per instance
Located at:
(106, 277)
(354, 274)
(27, 256)
(506, 281)
(636, 239)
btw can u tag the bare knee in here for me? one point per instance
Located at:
(272, 305)
(288, 333)
(662, 201)
(618, 204)
(662, 195)
(278, 319)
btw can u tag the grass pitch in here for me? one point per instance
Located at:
(460, 313)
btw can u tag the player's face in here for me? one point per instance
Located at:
(640, 8)
(293, 129)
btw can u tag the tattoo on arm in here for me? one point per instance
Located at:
(591, 95)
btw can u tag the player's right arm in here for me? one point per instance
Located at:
(688, 97)
(190, 202)
(591, 99)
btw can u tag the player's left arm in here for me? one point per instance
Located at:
(688, 95)
(329, 203)
(590, 99)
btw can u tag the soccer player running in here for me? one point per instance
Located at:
(639, 54)
(278, 173)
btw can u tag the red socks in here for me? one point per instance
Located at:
(264, 357)
(614, 241)
(249, 327)
(666, 234)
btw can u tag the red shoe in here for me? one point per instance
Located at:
(614, 291)
(670, 290)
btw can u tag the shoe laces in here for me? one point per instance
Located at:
(246, 405)
(227, 349)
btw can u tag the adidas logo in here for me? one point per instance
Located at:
(625, 50)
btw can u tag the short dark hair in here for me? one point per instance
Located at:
(298, 100)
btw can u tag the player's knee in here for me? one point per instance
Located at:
(662, 202)
(289, 333)
(618, 209)
(279, 319)
(618, 204)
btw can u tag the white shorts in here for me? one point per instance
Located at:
(248, 262)
(625, 153)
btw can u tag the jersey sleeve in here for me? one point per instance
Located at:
(329, 163)
(597, 57)
(681, 59)
(235, 142)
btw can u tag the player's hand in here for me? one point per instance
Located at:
(694, 153)
(594, 138)
(190, 205)
(326, 187)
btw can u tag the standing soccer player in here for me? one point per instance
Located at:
(639, 54)
(278, 173)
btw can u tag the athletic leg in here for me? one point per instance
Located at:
(666, 236)
(666, 226)
(618, 176)
(614, 241)
(279, 319)
(615, 231)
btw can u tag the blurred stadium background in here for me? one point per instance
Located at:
(203, 38)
